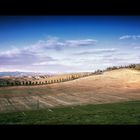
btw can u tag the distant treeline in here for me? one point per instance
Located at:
(131, 66)
(68, 77)
(49, 80)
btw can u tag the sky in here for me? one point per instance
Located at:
(63, 44)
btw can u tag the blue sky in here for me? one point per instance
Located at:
(68, 43)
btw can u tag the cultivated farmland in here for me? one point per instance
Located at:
(111, 86)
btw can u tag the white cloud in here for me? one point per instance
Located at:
(137, 47)
(84, 42)
(130, 37)
(125, 37)
(10, 53)
(43, 56)
(97, 51)
(43, 63)
(57, 44)
(39, 53)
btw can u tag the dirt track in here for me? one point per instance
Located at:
(112, 86)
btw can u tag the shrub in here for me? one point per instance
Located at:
(30, 83)
(132, 66)
(137, 67)
(26, 82)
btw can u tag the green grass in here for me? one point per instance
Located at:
(115, 113)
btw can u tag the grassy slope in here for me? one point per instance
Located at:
(116, 113)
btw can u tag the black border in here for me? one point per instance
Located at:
(65, 7)
(70, 131)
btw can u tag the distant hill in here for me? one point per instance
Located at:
(20, 74)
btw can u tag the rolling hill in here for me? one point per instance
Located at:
(111, 86)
